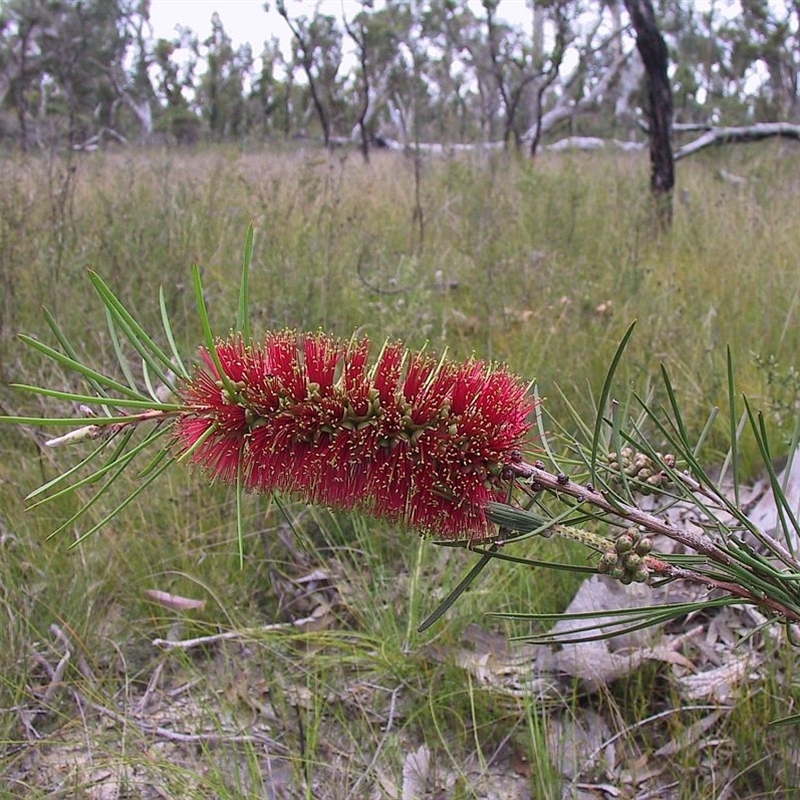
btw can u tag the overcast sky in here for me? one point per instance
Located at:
(246, 20)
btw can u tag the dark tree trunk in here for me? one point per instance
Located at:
(653, 51)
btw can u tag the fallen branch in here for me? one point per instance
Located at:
(740, 135)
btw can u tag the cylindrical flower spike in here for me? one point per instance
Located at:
(404, 437)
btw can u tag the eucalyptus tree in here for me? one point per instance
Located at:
(317, 50)
(763, 51)
(513, 67)
(653, 51)
(24, 61)
(64, 67)
(220, 93)
(377, 37)
(269, 99)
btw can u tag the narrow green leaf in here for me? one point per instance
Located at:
(622, 621)
(675, 406)
(119, 468)
(712, 418)
(76, 366)
(577, 419)
(148, 382)
(528, 523)
(534, 562)
(124, 504)
(542, 439)
(243, 313)
(122, 359)
(683, 449)
(178, 364)
(68, 348)
(239, 512)
(76, 468)
(119, 459)
(154, 462)
(112, 302)
(208, 334)
(147, 349)
(782, 504)
(462, 587)
(69, 422)
(198, 443)
(604, 396)
(114, 461)
(518, 519)
(91, 400)
(616, 443)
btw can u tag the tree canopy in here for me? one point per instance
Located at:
(80, 72)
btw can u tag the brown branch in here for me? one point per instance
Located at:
(561, 484)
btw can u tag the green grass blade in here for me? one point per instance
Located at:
(240, 513)
(734, 448)
(794, 719)
(604, 395)
(243, 313)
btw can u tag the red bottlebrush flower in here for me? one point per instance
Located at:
(406, 438)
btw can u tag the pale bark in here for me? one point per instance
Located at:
(740, 135)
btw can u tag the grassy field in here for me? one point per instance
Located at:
(322, 687)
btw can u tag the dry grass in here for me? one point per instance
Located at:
(543, 266)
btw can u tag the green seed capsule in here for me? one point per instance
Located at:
(631, 561)
(624, 543)
(643, 546)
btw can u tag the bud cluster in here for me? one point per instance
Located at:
(626, 561)
(638, 466)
